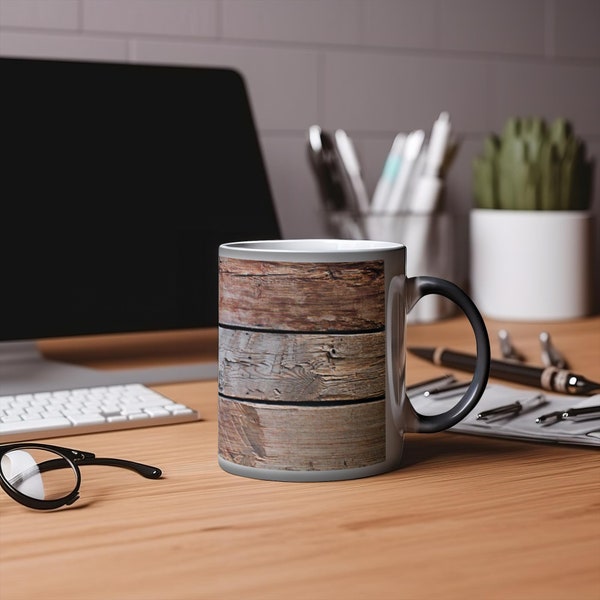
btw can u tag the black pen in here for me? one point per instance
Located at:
(587, 412)
(546, 378)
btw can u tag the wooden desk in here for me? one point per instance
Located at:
(466, 517)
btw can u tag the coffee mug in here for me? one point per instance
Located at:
(312, 357)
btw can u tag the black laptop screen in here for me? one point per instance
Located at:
(118, 182)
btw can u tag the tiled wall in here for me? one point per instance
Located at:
(372, 67)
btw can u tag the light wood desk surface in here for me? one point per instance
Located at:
(465, 517)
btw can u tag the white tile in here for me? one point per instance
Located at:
(577, 28)
(385, 92)
(39, 14)
(293, 185)
(307, 21)
(548, 90)
(507, 26)
(282, 82)
(400, 23)
(162, 17)
(45, 45)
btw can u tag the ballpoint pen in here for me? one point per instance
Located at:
(321, 153)
(396, 200)
(388, 175)
(584, 412)
(550, 418)
(440, 133)
(500, 411)
(574, 413)
(449, 389)
(352, 171)
(547, 378)
(515, 408)
(424, 386)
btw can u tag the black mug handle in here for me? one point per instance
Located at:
(404, 293)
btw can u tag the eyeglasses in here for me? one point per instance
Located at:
(46, 477)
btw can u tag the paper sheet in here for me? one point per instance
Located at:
(522, 426)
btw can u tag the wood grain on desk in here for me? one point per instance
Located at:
(464, 517)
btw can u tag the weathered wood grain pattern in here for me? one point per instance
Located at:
(302, 296)
(305, 438)
(285, 367)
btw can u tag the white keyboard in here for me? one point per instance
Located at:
(87, 410)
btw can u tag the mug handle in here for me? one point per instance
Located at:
(412, 289)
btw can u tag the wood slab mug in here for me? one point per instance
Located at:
(312, 358)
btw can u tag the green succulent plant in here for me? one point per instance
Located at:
(533, 166)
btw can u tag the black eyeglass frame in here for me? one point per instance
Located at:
(69, 458)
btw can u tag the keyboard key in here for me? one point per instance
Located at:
(87, 419)
(34, 425)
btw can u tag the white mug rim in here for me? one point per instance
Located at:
(308, 248)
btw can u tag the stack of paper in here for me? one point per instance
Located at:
(522, 425)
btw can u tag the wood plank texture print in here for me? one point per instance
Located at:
(301, 364)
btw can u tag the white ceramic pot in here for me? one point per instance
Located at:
(531, 265)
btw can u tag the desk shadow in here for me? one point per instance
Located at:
(422, 448)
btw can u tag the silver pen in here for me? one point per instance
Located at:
(550, 418)
(423, 386)
(449, 390)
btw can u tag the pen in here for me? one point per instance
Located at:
(412, 148)
(388, 175)
(351, 166)
(547, 378)
(514, 409)
(455, 386)
(437, 145)
(549, 418)
(322, 161)
(501, 411)
(422, 386)
(583, 411)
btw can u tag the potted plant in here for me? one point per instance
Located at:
(531, 228)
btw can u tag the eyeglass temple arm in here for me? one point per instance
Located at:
(145, 470)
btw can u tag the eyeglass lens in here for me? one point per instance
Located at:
(37, 473)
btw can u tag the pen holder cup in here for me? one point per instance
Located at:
(429, 242)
